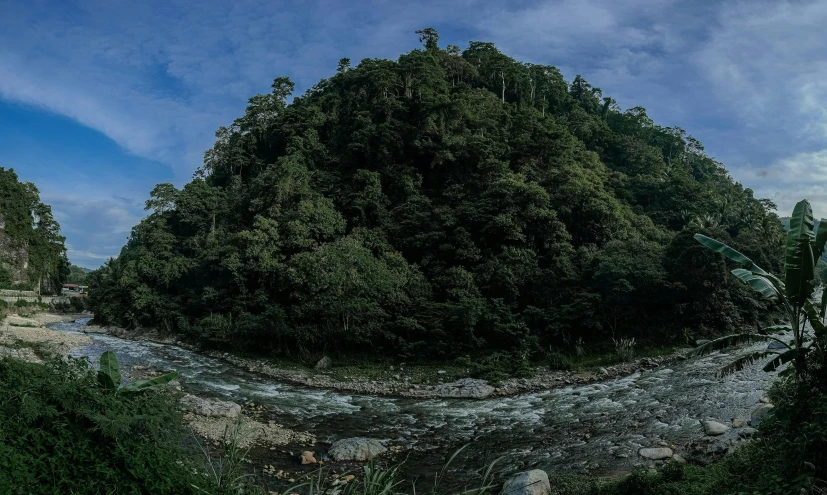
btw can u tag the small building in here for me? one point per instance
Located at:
(71, 287)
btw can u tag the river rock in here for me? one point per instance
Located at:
(466, 387)
(775, 345)
(534, 482)
(678, 459)
(307, 457)
(210, 407)
(759, 413)
(356, 449)
(655, 453)
(747, 432)
(738, 423)
(714, 428)
(324, 363)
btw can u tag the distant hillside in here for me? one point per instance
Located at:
(446, 202)
(77, 275)
(32, 254)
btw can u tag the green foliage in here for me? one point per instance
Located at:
(77, 275)
(60, 432)
(804, 248)
(109, 377)
(28, 224)
(447, 203)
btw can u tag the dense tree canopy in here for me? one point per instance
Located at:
(32, 253)
(450, 201)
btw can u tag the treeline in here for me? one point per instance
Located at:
(450, 201)
(32, 253)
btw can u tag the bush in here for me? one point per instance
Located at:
(60, 432)
(558, 361)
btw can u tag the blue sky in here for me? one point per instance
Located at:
(100, 100)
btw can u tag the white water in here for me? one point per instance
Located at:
(544, 429)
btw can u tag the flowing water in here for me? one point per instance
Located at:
(545, 429)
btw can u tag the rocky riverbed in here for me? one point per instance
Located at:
(399, 383)
(27, 337)
(601, 427)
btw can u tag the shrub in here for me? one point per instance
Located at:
(61, 432)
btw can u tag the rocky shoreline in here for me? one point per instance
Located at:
(402, 386)
(27, 338)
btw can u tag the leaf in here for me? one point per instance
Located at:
(799, 263)
(743, 362)
(142, 385)
(823, 307)
(109, 372)
(757, 282)
(731, 341)
(815, 321)
(821, 239)
(730, 253)
(782, 359)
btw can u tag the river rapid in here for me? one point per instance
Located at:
(596, 428)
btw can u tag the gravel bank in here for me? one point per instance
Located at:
(401, 386)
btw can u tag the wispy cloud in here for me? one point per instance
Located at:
(158, 78)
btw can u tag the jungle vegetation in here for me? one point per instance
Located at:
(445, 203)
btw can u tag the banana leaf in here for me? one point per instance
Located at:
(732, 341)
(744, 361)
(815, 321)
(757, 282)
(720, 247)
(109, 372)
(799, 262)
(783, 358)
(142, 385)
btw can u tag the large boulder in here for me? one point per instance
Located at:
(759, 413)
(714, 428)
(324, 363)
(775, 345)
(655, 453)
(356, 449)
(213, 408)
(534, 482)
(466, 388)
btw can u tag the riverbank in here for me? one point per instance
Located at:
(27, 338)
(422, 381)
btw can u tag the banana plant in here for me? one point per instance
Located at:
(109, 377)
(794, 293)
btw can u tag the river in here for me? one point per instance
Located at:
(594, 428)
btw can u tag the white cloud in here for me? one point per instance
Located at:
(747, 78)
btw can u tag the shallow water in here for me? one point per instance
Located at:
(543, 429)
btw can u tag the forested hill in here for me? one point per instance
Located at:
(446, 202)
(32, 254)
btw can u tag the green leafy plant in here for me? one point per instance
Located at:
(794, 293)
(109, 377)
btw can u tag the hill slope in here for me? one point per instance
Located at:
(442, 203)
